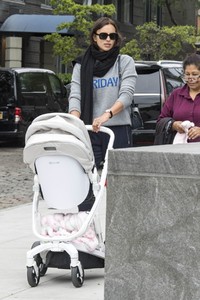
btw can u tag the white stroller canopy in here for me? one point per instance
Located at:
(58, 134)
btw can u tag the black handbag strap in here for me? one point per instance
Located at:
(119, 69)
(136, 119)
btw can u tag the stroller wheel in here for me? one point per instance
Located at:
(77, 276)
(42, 267)
(32, 277)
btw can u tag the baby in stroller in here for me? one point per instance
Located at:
(59, 151)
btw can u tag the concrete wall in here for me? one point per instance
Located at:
(153, 223)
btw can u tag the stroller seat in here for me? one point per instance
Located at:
(64, 183)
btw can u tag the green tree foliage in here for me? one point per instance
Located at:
(68, 47)
(176, 41)
(155, 43)
(132, 48)
(150, 41)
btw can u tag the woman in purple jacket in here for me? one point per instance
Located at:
(184, 103)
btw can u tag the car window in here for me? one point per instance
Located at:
(173, 77)
(32, 82)
(148, 81)
(6, 87)
(55, 84)
(32, 88)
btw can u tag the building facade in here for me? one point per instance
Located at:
(26, 47)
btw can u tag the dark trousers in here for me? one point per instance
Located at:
(99, 144)
(100, 141)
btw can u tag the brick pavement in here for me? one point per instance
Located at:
(16, 178)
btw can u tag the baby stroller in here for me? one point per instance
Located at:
(59, 151)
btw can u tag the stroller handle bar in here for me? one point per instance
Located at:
(107, 131)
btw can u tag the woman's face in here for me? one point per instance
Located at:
(102, 38)
(192, 77)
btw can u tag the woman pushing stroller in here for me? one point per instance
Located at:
(102, 88)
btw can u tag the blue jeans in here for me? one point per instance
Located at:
(100, 141)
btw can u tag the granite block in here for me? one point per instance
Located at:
(153, 223)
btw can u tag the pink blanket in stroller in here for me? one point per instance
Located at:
(59, 224)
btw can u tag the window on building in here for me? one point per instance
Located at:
(87, 2)
(148, 11)
(124, 10)
(114, 2)
(126, 17)
(90, 2)
(153, 12)
(118, 6)
(15, 1)
(46, 2)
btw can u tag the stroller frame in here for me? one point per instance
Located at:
(36, 257)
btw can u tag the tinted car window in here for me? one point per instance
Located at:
(148, 81)
(32, 82)
(33, 88)
(55, 84)
(173, 77)
(6, 87)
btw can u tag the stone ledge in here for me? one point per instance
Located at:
(153, 223)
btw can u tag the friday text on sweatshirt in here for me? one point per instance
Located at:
(105, 82)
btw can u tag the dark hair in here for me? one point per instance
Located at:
(101, 22)
(193, 59)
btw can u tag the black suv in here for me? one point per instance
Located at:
(155, 82)
(26, 93)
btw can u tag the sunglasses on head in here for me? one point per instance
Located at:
(104, 35)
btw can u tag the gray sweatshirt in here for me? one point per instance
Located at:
(108, 89)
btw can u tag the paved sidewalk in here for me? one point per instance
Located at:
(16, 240)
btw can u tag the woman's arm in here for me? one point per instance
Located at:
(109, 113)
(75, 92)
(128, 80)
